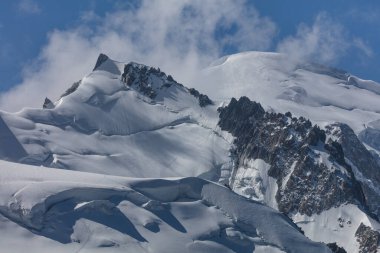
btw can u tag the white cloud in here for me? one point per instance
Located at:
(177, 36)
(363, 47)
(326, 41)
(29, 7)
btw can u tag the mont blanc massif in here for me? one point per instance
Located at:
(264, 154)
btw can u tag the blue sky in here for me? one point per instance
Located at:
(40, 37)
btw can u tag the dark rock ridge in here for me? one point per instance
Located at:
(48, 104)
(150, 81)
(10, 149)
(139, 76)
(367, 238)
(335, 248)
(204, 100)
(70, 90)
(311, 172)
(365, 166)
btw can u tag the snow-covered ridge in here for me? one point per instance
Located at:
(75, 210)
(124, 119)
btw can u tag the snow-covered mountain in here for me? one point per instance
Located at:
(322, 94)
(127, 119)
(344, 106)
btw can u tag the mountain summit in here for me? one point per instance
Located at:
(268, 155)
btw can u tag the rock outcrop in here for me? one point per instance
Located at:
(151, 81)
(48, 104)
(363, 163)
(311, 172)
(368, 239)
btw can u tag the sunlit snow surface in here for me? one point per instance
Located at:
(321, 94)
(51, 210)
(105, 127)
(336, 225)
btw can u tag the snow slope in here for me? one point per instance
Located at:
(67, 211)
(321, 94)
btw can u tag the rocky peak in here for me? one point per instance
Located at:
(240, 111)
(101, 59)
(48, 104)
(151, 81)
(146, 79)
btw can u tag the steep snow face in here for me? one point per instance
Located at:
(318, 93)
(68, 211)
(128, 120)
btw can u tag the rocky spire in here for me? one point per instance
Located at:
(101, 59)
(48, 104)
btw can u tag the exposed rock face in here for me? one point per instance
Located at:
(73, 88)
(101, 59)
(310, 171)
(139, 76)
(11, 149)
(368, 239)
(204, 100)
(335, 248)
(150, 81)
(48, 104)
(364, 164)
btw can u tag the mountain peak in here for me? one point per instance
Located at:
(101, 59)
